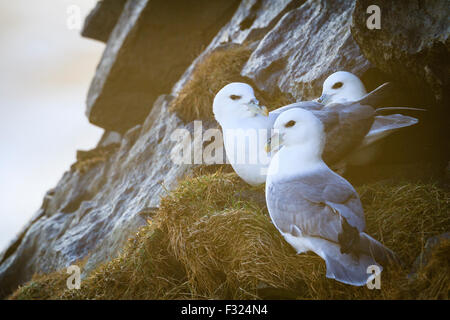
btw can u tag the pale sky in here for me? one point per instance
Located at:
(45, 71)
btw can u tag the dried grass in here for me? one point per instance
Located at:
(220, 67)
(208, 241)
(433, 280)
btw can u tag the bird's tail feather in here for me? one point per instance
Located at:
(348, 268)
(385, 125)
(379, 252)
(343, 267)
(384, 98)
(378, 110)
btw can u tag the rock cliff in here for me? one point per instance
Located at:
(152, 50)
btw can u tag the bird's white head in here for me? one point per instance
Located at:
(236, 101)
(342, 86)
(299, 127)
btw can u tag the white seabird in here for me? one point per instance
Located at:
(314, 208)
(238, 112)
(344, 87)
(246, 127)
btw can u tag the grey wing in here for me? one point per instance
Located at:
(293, 213)
(342, 197)
(345, 127)
(385, 125)
(307, 105)
(381, 96)
(314, 205)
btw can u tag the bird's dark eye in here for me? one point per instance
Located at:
(337, 85)
(235, 97)
(290, 124)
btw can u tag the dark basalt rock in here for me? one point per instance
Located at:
(412, 45)
(252, 20)
(150, 47)
(307, 45)
(95, 210)
(413, 49)
(101, 20)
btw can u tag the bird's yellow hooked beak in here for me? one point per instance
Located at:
(257, 109)
(273, 143)
(324, 98)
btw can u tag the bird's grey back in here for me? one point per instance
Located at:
(345, 124)
(345, 127)
(310, 202)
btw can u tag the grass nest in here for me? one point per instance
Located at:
(212, 238)
(219, 68)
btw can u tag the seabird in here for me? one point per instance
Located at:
(246, 127)
(344, 87)
(314, 208)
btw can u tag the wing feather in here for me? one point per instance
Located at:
(345, 125)
(315, 203)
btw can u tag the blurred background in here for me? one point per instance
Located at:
(45, 71)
